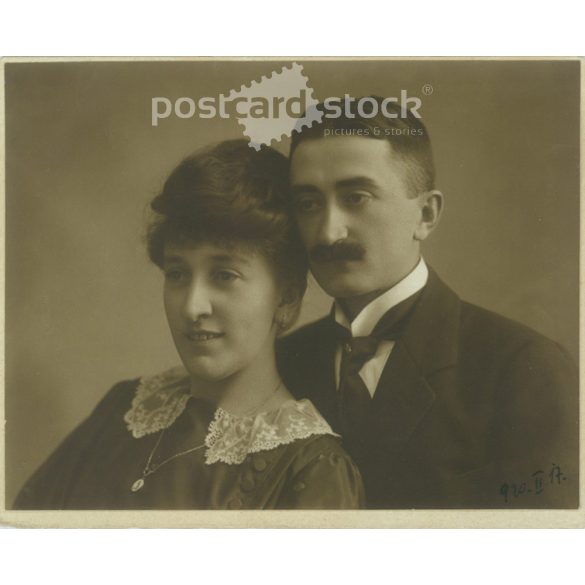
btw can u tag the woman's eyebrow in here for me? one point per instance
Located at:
(227, 257)
(173, 258)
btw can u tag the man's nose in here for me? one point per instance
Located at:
(198, 302)
(333, 226)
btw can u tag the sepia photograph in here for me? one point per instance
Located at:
(344, 288)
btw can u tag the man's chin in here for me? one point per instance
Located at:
(341, 286)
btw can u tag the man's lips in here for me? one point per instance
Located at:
(336, 253)
(333, 261)
(202, 335)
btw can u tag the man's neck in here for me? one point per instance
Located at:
(353, 306)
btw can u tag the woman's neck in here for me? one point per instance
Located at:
(256, 388)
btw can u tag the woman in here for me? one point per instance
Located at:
(221, 431)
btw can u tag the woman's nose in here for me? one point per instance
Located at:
(198, 302)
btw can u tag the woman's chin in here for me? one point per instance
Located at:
(206, 370)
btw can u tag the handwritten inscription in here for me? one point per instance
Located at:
(538, 482)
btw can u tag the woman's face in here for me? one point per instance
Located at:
(220, 304)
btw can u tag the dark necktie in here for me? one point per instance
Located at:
(354, 399)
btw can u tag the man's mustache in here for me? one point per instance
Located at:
(337, 251)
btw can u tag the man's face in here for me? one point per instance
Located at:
(355, 215)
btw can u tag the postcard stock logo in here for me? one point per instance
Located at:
(276, 105)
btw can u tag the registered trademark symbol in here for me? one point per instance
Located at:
(427, 89)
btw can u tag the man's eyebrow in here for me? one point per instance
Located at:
(304, 188)
(356, 182)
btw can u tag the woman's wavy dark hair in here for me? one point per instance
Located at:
(231, 194)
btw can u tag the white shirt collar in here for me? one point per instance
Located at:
(367, 318)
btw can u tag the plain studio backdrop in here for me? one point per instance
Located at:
(83, 304)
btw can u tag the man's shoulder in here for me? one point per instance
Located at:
(475, 336)
(495, 335)
(475, 322)
(491, 343)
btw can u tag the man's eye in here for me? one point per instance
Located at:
(356, 198)
(306, 205)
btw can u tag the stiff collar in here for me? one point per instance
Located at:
(159, 400)
(366, 320)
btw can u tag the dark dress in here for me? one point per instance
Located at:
(284, 459)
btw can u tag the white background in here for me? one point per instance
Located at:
(295, 29)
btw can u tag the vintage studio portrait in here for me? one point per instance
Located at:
(294, 285)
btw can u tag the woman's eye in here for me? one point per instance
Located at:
(225, 276)
(175, 275)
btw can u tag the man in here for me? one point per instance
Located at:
(442, 404)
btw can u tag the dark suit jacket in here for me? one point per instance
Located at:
(472, 410)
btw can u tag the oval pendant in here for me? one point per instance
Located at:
(138, 484)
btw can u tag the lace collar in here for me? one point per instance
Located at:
(159, 400)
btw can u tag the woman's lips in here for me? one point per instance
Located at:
(203, 335)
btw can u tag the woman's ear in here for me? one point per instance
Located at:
(288, 310)
(289, 297)
(432, 203)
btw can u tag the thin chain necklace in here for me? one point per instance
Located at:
(150, 469)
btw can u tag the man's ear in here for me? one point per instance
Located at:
(432, 203)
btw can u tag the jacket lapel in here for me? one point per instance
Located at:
(428, 344)
(402, 397)
(312, 370)
(325, 391)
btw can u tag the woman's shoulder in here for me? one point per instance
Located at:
(320, 449)
(111, 407)
(47, 487)
(130, 397)
(157, 401)
(322, 475)
(118, 396)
